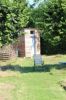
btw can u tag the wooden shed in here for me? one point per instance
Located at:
(29, 43)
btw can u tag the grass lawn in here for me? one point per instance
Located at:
(21, 82)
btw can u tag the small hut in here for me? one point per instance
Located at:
(29, 43)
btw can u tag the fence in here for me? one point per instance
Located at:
(4, 56)
(7, 52)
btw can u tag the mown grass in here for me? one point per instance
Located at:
(33, 85)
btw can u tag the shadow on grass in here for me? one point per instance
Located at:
(44, 68)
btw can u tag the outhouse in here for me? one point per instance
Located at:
(28, 43)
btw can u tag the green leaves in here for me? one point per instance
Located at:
(14, 15)
(50, 18)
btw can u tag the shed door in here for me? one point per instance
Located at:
(32, 42)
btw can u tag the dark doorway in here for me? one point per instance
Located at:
(42, 45)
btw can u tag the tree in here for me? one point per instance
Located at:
(14, 15)
(50, 18)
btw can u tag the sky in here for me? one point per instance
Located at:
(30, 1)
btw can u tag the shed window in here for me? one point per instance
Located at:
(32, 32)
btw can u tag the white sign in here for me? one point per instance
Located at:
(38, 59)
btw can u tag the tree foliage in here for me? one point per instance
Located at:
(14, 16)
(50, 18)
